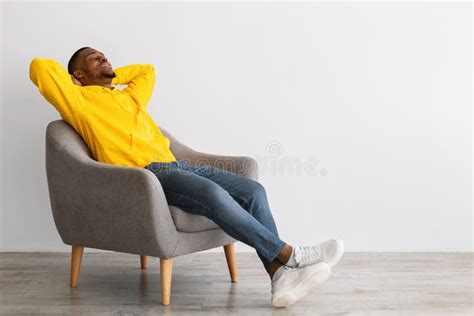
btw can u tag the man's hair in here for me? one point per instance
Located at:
(72, 64)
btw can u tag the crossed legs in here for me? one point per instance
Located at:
(237, 204)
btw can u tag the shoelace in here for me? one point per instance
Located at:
(307, 253)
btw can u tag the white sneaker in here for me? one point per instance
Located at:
(295, 283)
(329, 251)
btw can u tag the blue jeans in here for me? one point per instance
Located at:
(235, 203)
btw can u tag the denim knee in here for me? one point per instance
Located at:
(259, 191)
(256, 198)
(213, 195)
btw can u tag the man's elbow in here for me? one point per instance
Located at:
(152, 73)
(151, 68)
(36, 63)
(35, 67)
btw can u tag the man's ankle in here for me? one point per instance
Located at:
(285, 254)
(275, 265)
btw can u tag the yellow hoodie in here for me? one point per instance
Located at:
(114, 123)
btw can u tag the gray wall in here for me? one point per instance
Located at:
(376, 97)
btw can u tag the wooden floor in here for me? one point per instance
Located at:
(113, 283)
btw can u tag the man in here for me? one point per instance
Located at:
(118, 130)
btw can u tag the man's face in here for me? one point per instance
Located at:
(95, 66)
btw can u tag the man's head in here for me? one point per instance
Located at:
(90, 67)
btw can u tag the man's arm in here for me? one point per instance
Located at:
(56, 85)
(140, 79)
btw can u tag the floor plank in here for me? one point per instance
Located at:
(113, 283)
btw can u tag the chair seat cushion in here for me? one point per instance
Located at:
(187, 222)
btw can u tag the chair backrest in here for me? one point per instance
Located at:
(60, 133)
(66, 152)
(78, 185)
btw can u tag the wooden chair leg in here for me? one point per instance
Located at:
(231, 261)
(76, 258)
(166, 269)
(143, 262)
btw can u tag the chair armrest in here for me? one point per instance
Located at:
(241, 165)
(107, 207)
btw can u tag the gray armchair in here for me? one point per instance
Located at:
(124, 209)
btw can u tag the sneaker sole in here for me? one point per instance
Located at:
(338, 255)
(311, 283)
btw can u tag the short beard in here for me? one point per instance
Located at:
(100, 75)
(109, 75)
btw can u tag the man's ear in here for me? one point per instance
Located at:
(77, 74)
(75, 80)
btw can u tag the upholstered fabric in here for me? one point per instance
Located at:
(124, 209)
(245, 166)
(187, 222)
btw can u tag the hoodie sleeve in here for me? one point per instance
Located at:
(140, 79)
(56, 85)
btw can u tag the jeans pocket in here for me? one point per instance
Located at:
(183, 163)
(156, 167)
